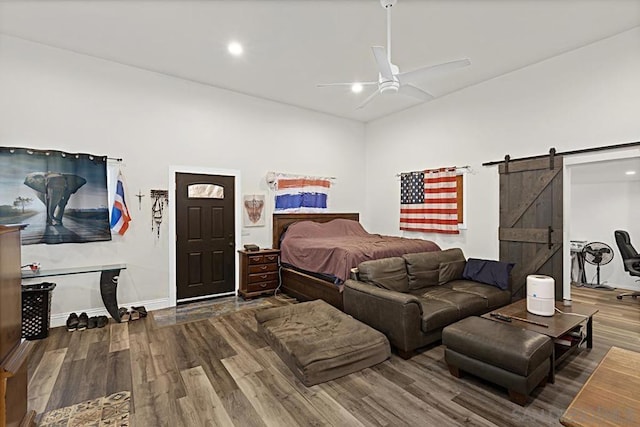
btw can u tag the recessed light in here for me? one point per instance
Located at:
(235, 48)
(356, 88)
(630, 173)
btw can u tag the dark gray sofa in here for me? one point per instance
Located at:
(412, 298)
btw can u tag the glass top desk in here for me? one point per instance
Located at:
(109, 274)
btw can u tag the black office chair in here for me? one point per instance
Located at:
(630, 258)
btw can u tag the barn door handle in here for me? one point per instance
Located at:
(549, 237)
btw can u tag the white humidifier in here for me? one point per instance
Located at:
(540, 295)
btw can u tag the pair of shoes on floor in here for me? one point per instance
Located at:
(97, 322)
(82, 322)
(140, 310)
(135, 313)
(77, 323)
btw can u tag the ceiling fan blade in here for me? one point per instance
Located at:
(415, 92)
(346, 84)
(368, 100)
(384, 66)
(433, 70)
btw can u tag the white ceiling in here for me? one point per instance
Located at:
(293, 45)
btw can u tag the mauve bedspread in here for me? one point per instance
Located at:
(337, 246)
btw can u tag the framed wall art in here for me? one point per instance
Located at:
(253, 210)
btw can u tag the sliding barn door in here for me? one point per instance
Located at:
(531, 220)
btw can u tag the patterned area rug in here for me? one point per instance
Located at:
(108, 411)
(208, 309)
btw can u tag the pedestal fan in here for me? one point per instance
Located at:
(597, 253)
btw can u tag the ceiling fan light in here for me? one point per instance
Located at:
(630, 173)
(356, 88)
(235, 48)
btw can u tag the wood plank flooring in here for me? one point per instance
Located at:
(219, 371)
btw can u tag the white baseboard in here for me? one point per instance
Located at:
(60, 319)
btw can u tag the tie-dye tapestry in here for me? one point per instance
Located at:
(61, 196)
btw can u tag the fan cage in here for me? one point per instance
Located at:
(588, 257)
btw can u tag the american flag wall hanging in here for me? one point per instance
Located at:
(428, 201)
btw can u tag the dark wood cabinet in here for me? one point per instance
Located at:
(259, 272)
(10, 290)
(14, 352)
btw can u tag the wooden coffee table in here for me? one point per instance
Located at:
(557, 325)
(610, 395)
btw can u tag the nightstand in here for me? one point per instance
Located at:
(258, 272)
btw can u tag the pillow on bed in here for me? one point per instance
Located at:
(495, 273)
(338, 227)
(387, 273)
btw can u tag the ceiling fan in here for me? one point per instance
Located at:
(390, 79)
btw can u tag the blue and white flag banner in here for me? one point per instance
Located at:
(301, 193)
(120, 217)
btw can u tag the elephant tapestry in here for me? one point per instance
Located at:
(61, 196)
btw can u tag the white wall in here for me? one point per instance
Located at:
(597, 209)
(51, 98)
(585, 98)
(56, 99)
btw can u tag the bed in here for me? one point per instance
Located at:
(307, 285)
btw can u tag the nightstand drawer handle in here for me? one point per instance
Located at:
(271, 257)
(263, 267)
(263, 285)
(264, 276)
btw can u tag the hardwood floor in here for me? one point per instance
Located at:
(218, 371)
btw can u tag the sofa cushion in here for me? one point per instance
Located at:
(424, 268)
(437, 314)
(451, 270)
(495, 273)
(387, 273)
(442, 306)
(467, 304)
(494, 296)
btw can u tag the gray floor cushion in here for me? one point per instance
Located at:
(319, 342)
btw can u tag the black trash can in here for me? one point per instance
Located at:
(36, 310)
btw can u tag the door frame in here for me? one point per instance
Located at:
(570, 161)
(173, 170)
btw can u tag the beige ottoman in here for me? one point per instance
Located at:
(319, 343)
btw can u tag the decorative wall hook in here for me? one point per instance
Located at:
(139, 196)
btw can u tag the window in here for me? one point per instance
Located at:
(205, 191)
(461, 193)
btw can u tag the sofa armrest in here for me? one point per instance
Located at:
(393, 296)
(395, 314)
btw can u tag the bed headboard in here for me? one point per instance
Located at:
(283, 220)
